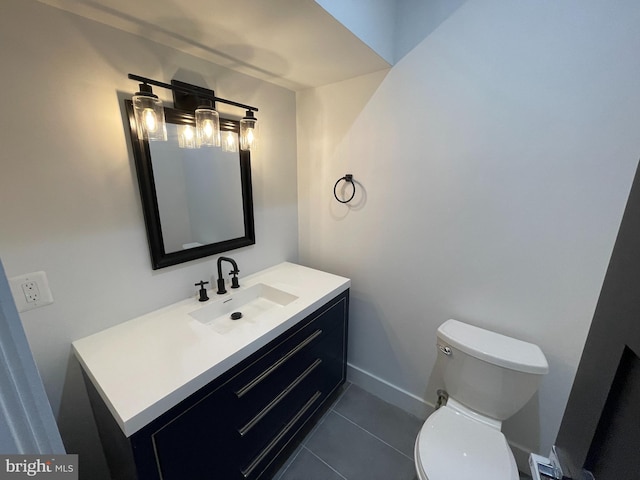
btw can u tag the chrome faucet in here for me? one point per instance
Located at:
(234, 272)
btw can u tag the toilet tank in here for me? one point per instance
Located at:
(490, 373)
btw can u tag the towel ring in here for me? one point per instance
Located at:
(349, 179)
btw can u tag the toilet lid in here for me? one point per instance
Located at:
(451, 445)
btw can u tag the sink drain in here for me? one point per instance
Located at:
(236, 315)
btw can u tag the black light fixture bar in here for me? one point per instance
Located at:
(182, 89)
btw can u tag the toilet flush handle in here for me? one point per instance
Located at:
(445, 349)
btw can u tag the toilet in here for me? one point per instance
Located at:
(488, 378)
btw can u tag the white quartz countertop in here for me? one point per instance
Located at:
(143, 367)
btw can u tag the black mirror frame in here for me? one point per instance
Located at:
(144, 169)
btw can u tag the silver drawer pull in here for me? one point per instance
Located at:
(246, 472)
(244, 430)
(244, 390)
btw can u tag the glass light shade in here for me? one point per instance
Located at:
(207, 127)
(229, 141)
(149, 116)
(187, 136)
(248, 132)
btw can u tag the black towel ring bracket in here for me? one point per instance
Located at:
(348, 178)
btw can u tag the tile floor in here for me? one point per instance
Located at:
(359, 438)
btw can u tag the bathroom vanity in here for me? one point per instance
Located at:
(186, 392)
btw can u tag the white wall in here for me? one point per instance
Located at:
(372, 21)
(69, 201)
(415, 19)
(494, 162)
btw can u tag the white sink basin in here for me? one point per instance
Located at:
(252, 302)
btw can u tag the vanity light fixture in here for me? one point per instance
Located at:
(149, 114)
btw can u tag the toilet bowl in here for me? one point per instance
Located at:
(488, 377)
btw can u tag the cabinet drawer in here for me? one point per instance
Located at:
(328, 318)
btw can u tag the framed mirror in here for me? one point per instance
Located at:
(196, 201)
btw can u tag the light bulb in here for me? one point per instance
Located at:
(208, 128)
(250, 137)
(186, 137)
(230, 142)
(150, 122)
(188, 133)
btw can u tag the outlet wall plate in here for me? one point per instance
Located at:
(30, 291)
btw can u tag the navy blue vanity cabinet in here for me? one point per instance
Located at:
(245, 423)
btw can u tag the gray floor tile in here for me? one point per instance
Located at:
(387, 422)
(306, 466)
(356, 454)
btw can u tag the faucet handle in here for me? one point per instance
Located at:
(234, 280)
(203, 291)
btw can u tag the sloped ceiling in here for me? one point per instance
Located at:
(292, 43)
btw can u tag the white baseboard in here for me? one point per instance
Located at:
(414, 405)
(388, 392)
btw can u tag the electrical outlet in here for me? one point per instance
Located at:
(30, 291)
